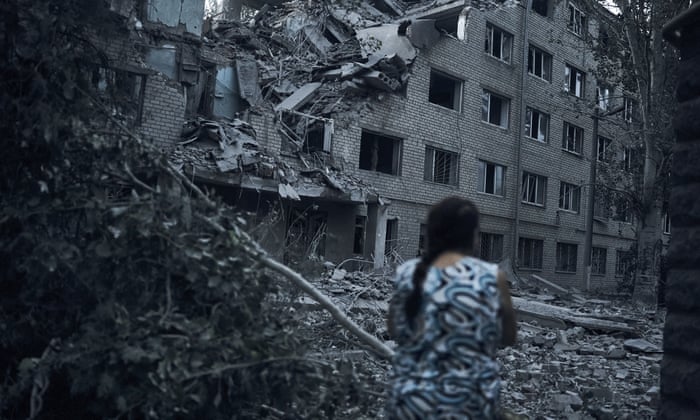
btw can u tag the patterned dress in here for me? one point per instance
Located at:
(444, 366)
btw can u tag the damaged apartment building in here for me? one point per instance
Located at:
(337, 124)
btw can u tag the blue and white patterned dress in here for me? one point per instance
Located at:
(445, 366)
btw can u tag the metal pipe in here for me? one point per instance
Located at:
(588, 243)
(521, 132)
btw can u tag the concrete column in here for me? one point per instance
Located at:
(376, 232)
(680, 368)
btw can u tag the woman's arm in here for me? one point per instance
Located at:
(507, 312)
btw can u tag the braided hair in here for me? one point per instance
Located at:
(452, 224)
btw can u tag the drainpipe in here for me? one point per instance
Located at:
(588, 243)
(521, 131)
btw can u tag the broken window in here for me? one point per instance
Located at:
(491, 178)
(601, 205)
(603, 94)
(358, 243)
(490, 247)
(599, 258)
(530, 253)
(537, 126)
(494, 109)
(440, 166)
(305, 236)
(445, 90)
(569, 197)
(577, 20)
(666, 223)
(566, 257)
(539, 63)
(623, 262)
(498, 43)
(307, 133)
(541, 7)
(604, 151)
(573, 138)
(391, 241)
(123, 91)
(533, 189)
(574, 81)
(380, 153)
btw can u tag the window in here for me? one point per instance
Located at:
(440, 166)
(623, 263)
(574, 80)
(541, 7)
(539, 63)
(498, 43)
(122, 90)
(380, 153)
(494, 109)
(566, 257)
(358, 244)
(445, 90)
(537, 127)
(490, 247)
(629, 109)
(604, 149)
(573, 138)
(599, 258)
(602, 94)
(491, 178)
(666, 222)
(421, 239)
(623, 211)
(305, 235)
(530, 253)
(533, 188)
(391, 241)
(601, 204)
(569, 197)
(577, 20)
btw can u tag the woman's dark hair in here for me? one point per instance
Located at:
(452, 224)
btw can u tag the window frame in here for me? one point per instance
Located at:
(577, 140)
(429, 168)
(540, 186)
(629, 105)
(666, 224)
(598, 267)
(547, 10)
(486, 103)
(482, 178)
(578, 26)
(569, 197)
(570, 72)
(536, 251)
(530, 115)
(564, 265)
(546, 60)
(505, 53)
(360, 229)
(495, 241)
(607, 144)
(603, 94)
(458, 92)
(623, 261)
(397, 153)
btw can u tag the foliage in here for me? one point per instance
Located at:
(120, 298)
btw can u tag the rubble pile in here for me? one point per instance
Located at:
(556, 370)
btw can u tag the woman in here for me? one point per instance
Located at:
(448, 315)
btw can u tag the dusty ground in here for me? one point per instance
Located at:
(564, 372)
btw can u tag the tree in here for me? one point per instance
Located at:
(631, 49)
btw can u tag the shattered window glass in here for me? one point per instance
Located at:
(380, 153)
(498, 43)
(538, 125)
(569, 197)
(445, 90)
(539, 63)
(574, 81)
(494, 109)
(533, 188)
(573, 138)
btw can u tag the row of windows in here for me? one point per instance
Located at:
(530, 256)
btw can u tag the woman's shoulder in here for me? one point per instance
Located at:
(480, 265)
